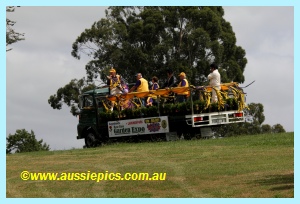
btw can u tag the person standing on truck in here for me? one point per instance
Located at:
(152, 100)
(214, 81)
(141, 85)
(181, 97)
(171, 80)
(115, 82)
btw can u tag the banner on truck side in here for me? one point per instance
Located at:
(138, 126)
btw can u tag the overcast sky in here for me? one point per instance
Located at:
(41, 64)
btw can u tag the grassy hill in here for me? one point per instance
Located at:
(246, 166)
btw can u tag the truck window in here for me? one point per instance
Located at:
(80, 104)
(100, 104)
(88, 101)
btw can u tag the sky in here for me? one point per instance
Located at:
(42, 63)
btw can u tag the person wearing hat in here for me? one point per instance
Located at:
(141, 85)
(181, 97)
(214, 81)
(115, 82)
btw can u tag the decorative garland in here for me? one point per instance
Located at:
(202, 104)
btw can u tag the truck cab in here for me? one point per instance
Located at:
(90, 126)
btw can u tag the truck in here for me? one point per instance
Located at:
(100, 123)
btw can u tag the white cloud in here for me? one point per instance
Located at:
(267, 35)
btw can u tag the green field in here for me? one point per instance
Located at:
(236, 167)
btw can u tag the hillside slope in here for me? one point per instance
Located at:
(246, 166)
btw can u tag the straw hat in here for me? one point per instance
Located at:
(182, 74)
(112, 70)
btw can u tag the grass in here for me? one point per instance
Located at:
(257, 166)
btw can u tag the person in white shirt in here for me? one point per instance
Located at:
(214, 81)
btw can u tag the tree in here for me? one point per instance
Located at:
(11, 35)
(230, 130)
(69, 95)
(255, 112)
(152, 39)
(23, 141)
(266, 128)
(277, 128)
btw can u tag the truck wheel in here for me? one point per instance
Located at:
(90, 140)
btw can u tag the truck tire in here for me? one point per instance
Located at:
(91, 140)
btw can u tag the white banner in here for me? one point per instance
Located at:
(138, 126)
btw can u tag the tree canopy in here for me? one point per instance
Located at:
(23, 141)
(69, 95)
(151, 40)
(278, 128)
(11, 35)
(266, 128)
(256, 112)
(254, 125)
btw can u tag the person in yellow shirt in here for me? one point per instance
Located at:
(141, 85)
(182, 97)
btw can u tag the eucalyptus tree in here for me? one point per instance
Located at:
(11, 35)
(151, 40)
(23, 141)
